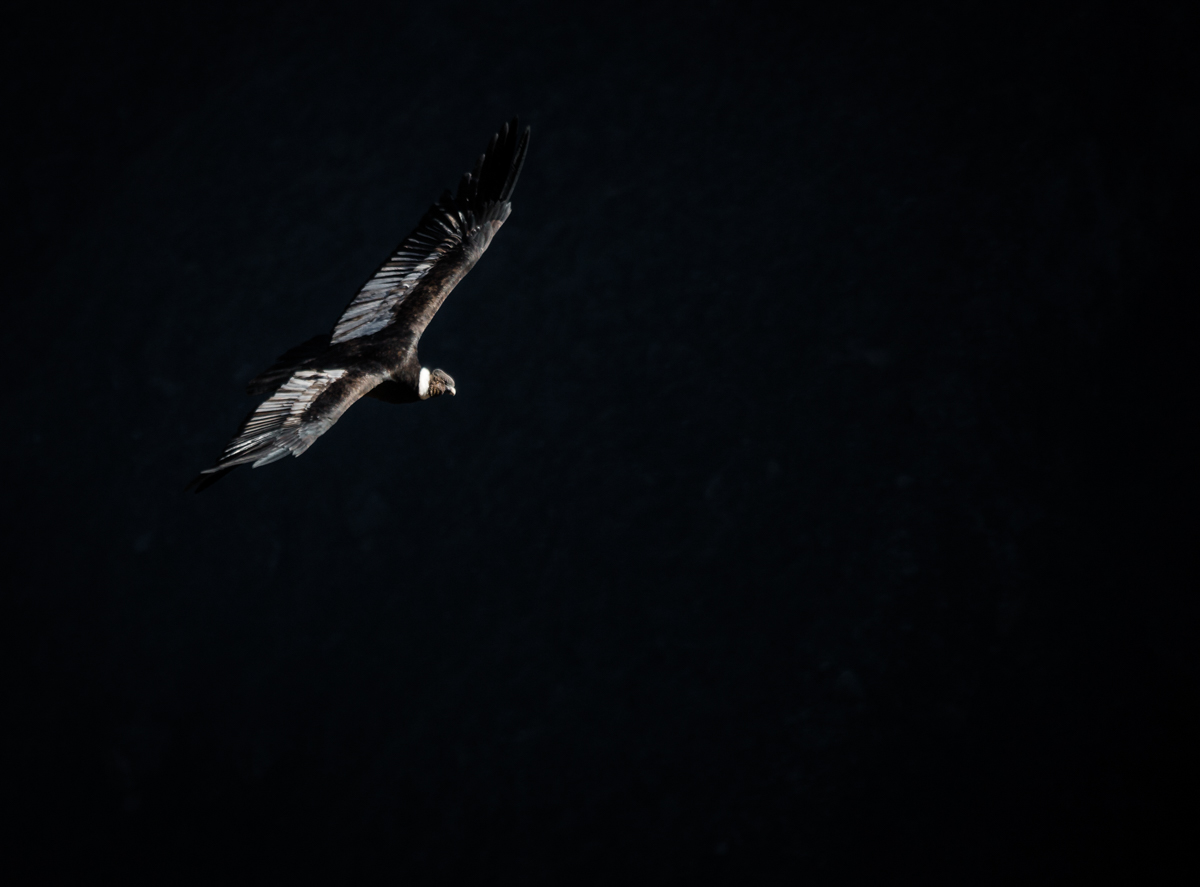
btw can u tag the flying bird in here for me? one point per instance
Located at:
(372, 350)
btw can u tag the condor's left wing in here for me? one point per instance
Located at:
(482, 198)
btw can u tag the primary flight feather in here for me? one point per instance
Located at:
(372, 350)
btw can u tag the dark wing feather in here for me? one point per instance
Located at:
(206, 479)
(482, 196)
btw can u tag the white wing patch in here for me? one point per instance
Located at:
(374, 307)
(278, 428)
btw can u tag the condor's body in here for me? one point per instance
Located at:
(372, 350)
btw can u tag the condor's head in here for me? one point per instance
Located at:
(434, 383)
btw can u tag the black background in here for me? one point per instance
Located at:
(812, 505)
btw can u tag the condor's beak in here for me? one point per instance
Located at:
(451, 390)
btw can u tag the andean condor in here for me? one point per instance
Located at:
(372, 350)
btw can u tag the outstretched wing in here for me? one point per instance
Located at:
(290, 420)
(483, 196)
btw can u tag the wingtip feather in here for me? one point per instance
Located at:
(206, 479)
(518, 161)
(505, 157)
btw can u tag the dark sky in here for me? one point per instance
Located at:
(809, 508)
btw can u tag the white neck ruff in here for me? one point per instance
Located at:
(423, 385)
